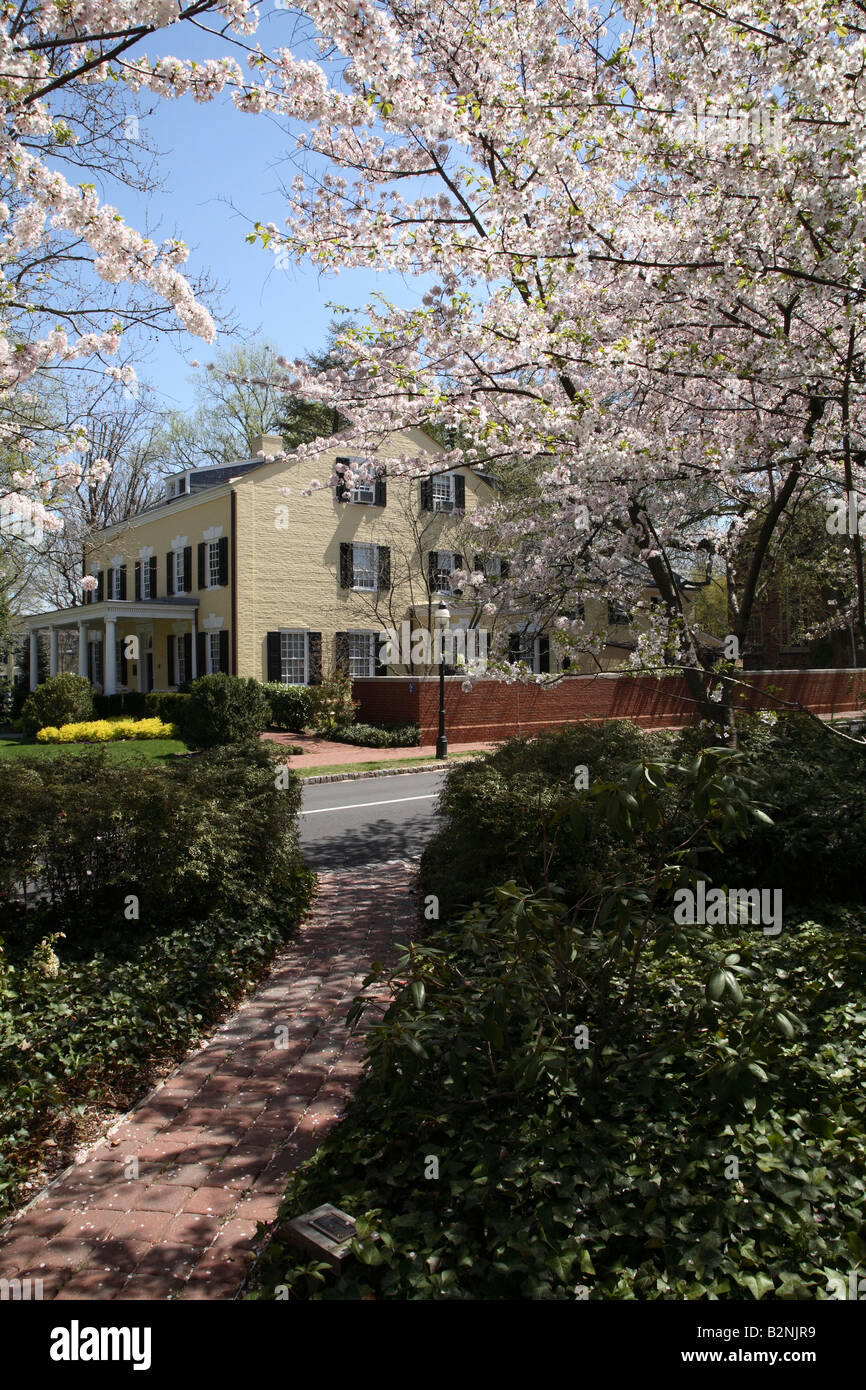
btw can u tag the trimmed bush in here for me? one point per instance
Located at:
(165, 704)
(63, 699)
(159, 898)
(291, 705)
(129, 703)
(332, 706)
(378, 736)
(107, 731)
(223, 709)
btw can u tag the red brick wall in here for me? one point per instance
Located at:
(492, 711)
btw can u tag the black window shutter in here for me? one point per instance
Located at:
(153, 576)
(224, 559)
(432, 571)
(459, 492)
(123, 581)
(342, 490)
(200, 658)
(504, 568)
(544, 653)
(478, 563)
(122, 664)
(275, 665)
(201, 554)
(341, 650)
(381, 497)
(315, 640)
(426, 494)
(383, 556)
(187, 568)
(380, 668)
(90, 646)
(100, 586)
(347, 577)
(169, 578)
(169, 662)
(137, 579)
(187, 654)
(514, 645)
(224, 652)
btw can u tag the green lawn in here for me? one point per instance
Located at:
(127, 751)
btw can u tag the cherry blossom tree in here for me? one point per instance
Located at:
(642, 231)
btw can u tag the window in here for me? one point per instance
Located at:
(175, 487)
(212, 653)
(532, 648)
(293, 658)
(796, 617)
(146, 573)
(617, 616)
(755, 632)
(213, 571)
(178, 575)
(442, 568)
(112, 583)
(180, 672)
(96, 662)
(362, 653)
(364, 566)
(443, 492)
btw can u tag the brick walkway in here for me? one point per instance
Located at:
(323, 752)
(166, 1205)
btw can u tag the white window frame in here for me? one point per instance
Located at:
(212, 567)
(442, 492)
(369, 660)
(112, 582)
(287, 657)
(177, 574)
(211, 646)
(374, 567)
(440, 570)
(145, 579)
(98, 655)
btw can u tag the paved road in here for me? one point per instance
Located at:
(369, 820)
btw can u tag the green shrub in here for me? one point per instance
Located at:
(331, 703)
(378, 736)
(154, 901)
(223, 709)
(126, 702)
(497, 812)
(165, 704)
(291, 705)
(65, 699)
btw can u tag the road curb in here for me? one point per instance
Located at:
(377, 772)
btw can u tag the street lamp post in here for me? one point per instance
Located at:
(442, 618)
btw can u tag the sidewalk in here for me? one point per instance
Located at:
(323, 752)
(166, 1206)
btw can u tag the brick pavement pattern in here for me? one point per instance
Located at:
(324, 752)
(213, 1144)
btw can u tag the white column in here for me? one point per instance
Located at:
(193, 652)
(83, 668)
(34, 658)
(109, 663)
(52, 651)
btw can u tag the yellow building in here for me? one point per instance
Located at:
(237, 570)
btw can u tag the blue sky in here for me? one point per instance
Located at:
(219, 168)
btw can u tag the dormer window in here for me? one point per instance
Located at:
(175, 487)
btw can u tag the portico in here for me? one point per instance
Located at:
(101, 626)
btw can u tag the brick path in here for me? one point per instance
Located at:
(323, 752)
(215, 1141)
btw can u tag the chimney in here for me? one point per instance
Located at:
(267, 444)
